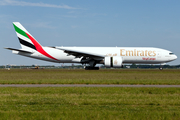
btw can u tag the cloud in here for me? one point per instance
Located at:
(22, 3)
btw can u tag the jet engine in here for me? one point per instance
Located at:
(115, 61)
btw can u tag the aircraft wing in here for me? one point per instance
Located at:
(80, 54)
(19, 50)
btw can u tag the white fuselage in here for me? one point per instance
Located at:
(138, 55)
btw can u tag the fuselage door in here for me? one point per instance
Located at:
(159, 55)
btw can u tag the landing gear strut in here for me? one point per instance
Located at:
(161, 66)
(91, 66)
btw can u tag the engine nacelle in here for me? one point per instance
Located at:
(115, 61)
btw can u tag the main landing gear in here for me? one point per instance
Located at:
(91, 66)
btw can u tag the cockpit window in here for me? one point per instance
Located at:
(171, 53)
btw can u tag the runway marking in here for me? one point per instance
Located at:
(84, 85)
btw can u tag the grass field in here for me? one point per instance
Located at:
(78, 103)
(116, 76)
(90, 103)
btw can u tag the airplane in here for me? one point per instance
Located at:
(114, 57)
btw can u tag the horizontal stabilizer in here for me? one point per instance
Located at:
(19, 50)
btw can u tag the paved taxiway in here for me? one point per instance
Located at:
(84, 85)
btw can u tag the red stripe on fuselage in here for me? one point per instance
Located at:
(39, 47)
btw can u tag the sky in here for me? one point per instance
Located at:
(91, 23)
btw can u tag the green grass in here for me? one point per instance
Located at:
(116, 76)
(90, 103)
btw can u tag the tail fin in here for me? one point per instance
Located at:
(27, 41)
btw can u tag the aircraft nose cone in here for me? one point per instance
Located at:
(175, 57)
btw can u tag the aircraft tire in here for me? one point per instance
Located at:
(91, 68)
(160, 68)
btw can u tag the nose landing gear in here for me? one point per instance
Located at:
(160, 68)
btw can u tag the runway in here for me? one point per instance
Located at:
(85, 85)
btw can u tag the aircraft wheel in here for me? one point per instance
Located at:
(91, 68)
(160, 68)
